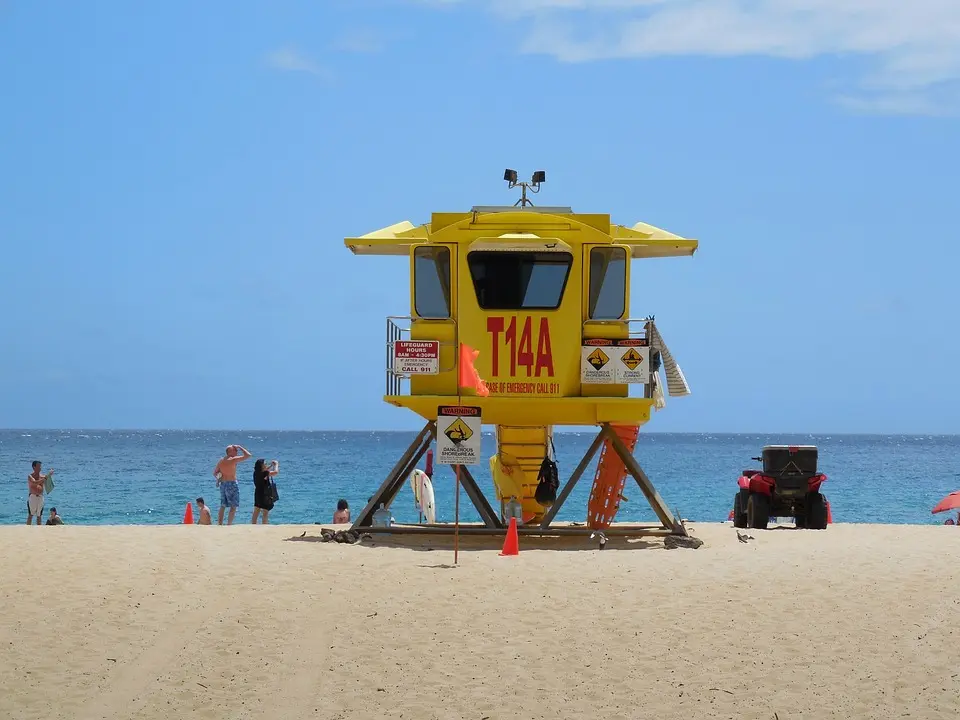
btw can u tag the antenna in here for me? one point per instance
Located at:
(539, 177)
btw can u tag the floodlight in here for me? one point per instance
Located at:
(533, 185)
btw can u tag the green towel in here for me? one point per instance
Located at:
(48, 484)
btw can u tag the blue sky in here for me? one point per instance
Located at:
(177, 179)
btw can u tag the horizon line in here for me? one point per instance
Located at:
(584, 429)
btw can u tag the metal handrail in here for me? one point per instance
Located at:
(396, 332)
(641, 332)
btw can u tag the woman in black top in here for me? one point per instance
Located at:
(263, 489)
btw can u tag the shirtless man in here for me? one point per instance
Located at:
(226, 474)
(203, 513)
(35, 483)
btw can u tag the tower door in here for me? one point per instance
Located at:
(607, 278)
(606, 306)
(433, 312)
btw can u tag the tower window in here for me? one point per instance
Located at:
(431, 282)
(510, 280)
(608, 283)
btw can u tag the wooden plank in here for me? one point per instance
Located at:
(534, 531)
(365, 517)
(401, 480)
(478, 499)
(650, 492)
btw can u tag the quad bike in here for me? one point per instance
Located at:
(787, 486)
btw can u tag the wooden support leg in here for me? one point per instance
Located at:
(395, 478)
(649, 491)
(404, 474)
(478, 499)
(572, 482)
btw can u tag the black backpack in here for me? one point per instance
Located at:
(548, 480)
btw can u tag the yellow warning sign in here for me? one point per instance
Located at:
(631, 358)
(458, 431)
(598, 358)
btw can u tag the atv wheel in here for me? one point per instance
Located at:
(816, 511)
(758, 511)
(740, 501)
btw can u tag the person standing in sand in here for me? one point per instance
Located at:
(263, 490)
(203, 513)
(226, 474)
(35, 483)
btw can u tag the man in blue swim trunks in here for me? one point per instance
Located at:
(226, 474)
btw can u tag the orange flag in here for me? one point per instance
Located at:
(469, 377)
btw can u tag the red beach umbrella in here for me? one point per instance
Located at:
(950, 502)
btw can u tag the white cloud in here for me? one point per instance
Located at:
(362, 40)
(292, 60)
(897, 104)
(913, 46)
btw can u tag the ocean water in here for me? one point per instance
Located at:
(147, 477)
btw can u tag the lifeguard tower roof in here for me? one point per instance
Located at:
(643, 239)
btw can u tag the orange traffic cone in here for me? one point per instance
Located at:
(511, 545)
(188, 515)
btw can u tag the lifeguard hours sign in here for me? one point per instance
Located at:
(458, 435)
(416, 357)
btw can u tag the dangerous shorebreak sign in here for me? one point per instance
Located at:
(416, 357)
(458, 435)
(615, 362)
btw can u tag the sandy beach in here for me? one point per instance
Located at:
(236, 622)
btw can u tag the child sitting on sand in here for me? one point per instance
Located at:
(203, 513)
(342, 515)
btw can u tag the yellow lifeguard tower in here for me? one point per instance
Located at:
(543, 294)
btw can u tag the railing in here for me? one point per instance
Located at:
(632, 331)
(395, 332)
(398, 328)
